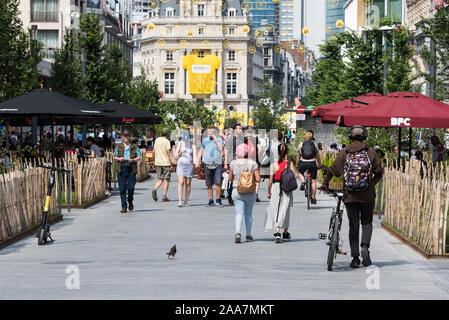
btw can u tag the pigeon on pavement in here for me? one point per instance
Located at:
(172, 252)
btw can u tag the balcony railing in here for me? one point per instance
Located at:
(44, 16)
(47, 53)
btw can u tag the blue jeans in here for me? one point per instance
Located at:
(243, 204)
(126, 182)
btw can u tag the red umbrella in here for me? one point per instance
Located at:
(332, 116)
(400, 109)
(342, 105)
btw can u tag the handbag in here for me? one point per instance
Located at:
(201, 174)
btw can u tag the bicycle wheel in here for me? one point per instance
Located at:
(333, 245)
(309, 194)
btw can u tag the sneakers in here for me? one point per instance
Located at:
(123, 210)
(165, 199)
(180, 204)
(130, 206)
(186, 203)
(218, 203)
(154, 193)
(249, 239)
(313, 201)
(286, 236)
(277, 237)
(238, 238)
(366, 260)
(303, 186)
(355, 263)
(210, 203)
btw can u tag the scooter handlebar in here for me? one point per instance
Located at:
(52, 168)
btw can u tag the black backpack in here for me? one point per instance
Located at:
(308, 150)
(288, 179)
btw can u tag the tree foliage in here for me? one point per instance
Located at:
(142, 93)
(91, 43)
(269, 107)
(19, 53)
(352, 65)
(181, 114)
(66, 73)
(436, 29)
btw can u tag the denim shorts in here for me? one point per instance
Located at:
(214, 176)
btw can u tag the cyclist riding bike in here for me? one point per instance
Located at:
(308, 159)
(362, 170)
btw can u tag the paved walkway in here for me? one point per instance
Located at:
(123, 256)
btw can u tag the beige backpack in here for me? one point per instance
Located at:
(247, 182)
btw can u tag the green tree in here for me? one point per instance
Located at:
(328, 75)
(117, 72)
(181, 114)
(230, 122)
(91, 42)
(436, 29)
(143, 93)
(66, 73)
(19, 53)
(363, 71)
(269, 107)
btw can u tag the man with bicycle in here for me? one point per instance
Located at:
(362, 170)
(308, 159)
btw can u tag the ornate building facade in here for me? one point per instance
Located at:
(203, 27)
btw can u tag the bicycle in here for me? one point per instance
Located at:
(43, 233)
(333, 238)
(308, 188)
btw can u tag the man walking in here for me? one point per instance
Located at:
(162, 162)
(126, 155)
(211, 154)
(362, 170)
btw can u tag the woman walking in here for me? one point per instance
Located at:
(184, 169)
(278, 211)
(244, 194)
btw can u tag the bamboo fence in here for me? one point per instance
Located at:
(22, 196)
(416, 207)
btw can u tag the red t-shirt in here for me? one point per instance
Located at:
(282, 165)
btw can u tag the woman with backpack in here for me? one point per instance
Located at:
(245, 174)
(278, 211)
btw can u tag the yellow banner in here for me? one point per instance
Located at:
(201, 73)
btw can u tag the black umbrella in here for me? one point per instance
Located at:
(122, 113)
(42, 102)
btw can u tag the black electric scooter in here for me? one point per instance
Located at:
(43, 233)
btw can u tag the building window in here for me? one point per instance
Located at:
(169, 55)
(231, 55)
(231, 83)
(231, 30)
(231, 12)
(200, 10)
(49, 38)
(169, 83)
(265, 51)
(200, 30)
(265, 62)
(44, 10)
(169, 12)
(201, 54)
